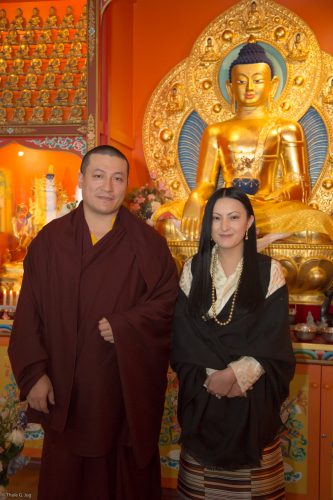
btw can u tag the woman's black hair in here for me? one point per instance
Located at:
(250, 293)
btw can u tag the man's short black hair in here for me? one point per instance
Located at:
(102, 150)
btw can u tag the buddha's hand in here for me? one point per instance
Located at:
(192, 215)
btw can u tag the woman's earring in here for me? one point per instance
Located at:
(247, 234)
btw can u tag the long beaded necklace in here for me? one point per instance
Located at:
(233, 302)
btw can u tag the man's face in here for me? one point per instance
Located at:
(104, 184)
(251, 84)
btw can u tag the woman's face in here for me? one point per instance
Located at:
(229, 223)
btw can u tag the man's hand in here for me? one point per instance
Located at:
(41, 394)
(105, 330)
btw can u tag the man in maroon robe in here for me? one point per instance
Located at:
(90, 342)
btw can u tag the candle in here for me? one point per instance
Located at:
(10, 297)
(4, 299)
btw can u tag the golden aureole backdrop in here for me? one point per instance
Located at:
(193, 95)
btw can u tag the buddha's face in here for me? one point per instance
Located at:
(251, 84)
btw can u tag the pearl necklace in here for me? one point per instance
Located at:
(233, 302)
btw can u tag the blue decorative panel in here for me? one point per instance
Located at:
(317, 141)
(189, 146)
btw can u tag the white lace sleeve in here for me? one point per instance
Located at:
(247, 371)
(277, 278)
(186, 277)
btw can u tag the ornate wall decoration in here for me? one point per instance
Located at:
(43, 70)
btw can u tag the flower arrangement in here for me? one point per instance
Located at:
(12, 424)
(144, 201)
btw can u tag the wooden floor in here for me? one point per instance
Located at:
(24, 484)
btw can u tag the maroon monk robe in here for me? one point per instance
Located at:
(103, 391)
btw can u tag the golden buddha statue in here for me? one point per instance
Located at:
(63, 35)
(30, 81)
(81, 35)
(254, 19)
(76, 114)
(23, 51)
(40, 50)
(25, 98)
(80, 97)
(61, 98)
(12, 82)
(52, 19)
(18, 21)
(297, 48)
(11, 38)
(35, 21)
(83, 82)
(56, 115)
(54, 65)
(19, 115)
(328, 96)
(36, 65)
(3, 115)
(257, 152)
(49, 81)
(3, 66)
(176, 99)
(7, 98)
(18, 66)
(83, 20)
(76, 49)
(43, 98)
(68, 19)
(3, 19)
(68, 80)
(6, 51)
(209, 55)
(71, 65)
(37, 115)
(46, 36)
(28, 37)
(58, 50)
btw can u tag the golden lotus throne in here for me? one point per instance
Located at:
(193, 95)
